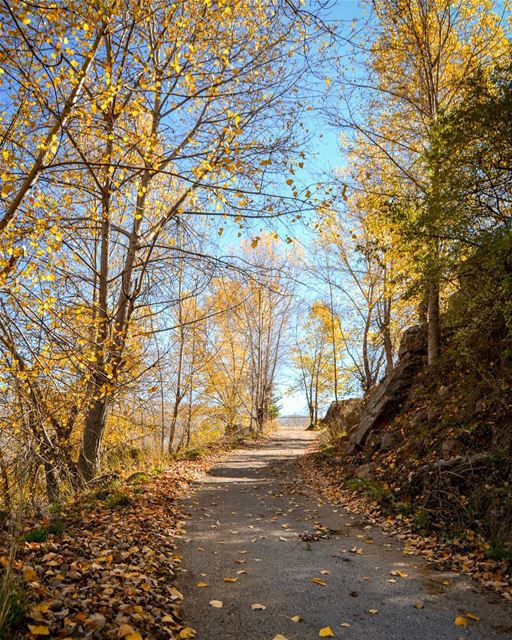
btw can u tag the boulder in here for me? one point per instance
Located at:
(385, 400)
(363, 472)
(342, 416)
(414, 340)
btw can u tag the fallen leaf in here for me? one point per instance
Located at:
(373, 611)
(230, 579)
(319, 581)
(216, 604)
(30, 575)
(279, 637)
(418, 605)
(345, 624)
(471, 616)
(125, 630)
(133, 636)
(461, 621)
(325, 572)
(400, 574)
(326, 632)
(187, 632)
(38, 630)
(296, 618)
(283, 539)
(202, 584)
(258, 606)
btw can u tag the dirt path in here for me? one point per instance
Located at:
(247, 519)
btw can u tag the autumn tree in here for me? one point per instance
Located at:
(419, 54)
(318, 372)
(128, 120)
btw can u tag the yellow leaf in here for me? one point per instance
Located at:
(319, 581)
(6, 190)
(296, 618)
(38, 630)
(461, 621)
(125, 631)
(400, 574)
(373, 611)
(133, 636)
(30, 575)
(230, 579)
(471, 616)
(216, 604)
(326, 632)
(279, 637)
(187, 632)
(202, 584)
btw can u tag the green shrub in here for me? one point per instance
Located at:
(41, 534)
(118, 499)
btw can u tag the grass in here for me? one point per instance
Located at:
(12, 606)
(41, 533)
(118, 499)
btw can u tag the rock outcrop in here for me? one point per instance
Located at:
(342, 416)
(385, 400)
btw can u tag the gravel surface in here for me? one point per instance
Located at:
(252, 519)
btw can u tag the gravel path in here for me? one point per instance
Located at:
(246, 521)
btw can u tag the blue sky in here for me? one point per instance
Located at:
(323, 157)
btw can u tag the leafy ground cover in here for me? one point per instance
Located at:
(105, 568)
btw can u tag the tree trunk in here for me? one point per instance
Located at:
(92, 437)
(434, 324)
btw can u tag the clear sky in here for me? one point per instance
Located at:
(323, 157)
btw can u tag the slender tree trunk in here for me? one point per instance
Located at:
(388, 343)
(434, 323)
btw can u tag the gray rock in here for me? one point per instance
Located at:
(414, 340)
(342, 417)
(364, 472)
(385, 400)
